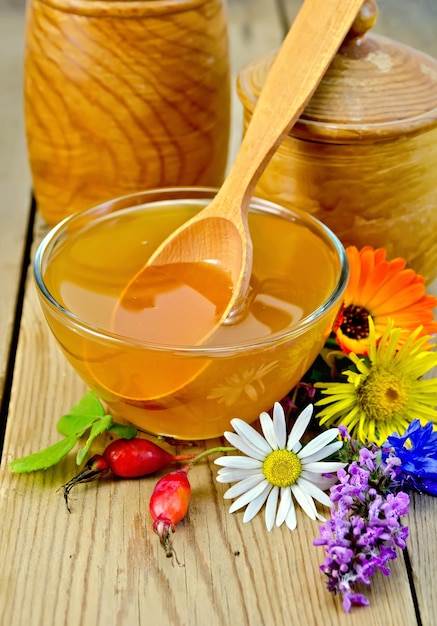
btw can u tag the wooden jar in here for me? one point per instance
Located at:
(122, 96)
(362, 158)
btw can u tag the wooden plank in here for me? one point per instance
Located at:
(14, 175)
(254, 29)
(102, 564)
(422, 551)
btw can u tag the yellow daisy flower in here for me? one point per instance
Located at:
(382, 290)
(386, 392)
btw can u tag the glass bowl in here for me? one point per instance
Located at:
(188, 392)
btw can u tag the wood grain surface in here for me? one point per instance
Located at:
(101, 564)
(15, 191)
(362, 157)
(124, 97)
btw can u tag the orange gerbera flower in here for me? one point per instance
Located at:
(383, 290)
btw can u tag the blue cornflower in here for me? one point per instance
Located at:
(417, 450)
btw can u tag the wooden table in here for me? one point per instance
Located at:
(102, 565)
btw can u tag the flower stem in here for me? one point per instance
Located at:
(206, 453)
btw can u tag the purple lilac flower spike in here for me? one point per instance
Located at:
(364, 531)
(417, 451)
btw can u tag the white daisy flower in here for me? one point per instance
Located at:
(278, 469)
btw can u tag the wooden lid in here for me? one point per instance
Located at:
(375, 89)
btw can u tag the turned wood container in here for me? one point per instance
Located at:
(122, 96)
(362, 157)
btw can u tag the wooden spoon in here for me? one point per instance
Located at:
(217, 238)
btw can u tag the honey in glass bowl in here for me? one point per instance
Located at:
(137, 363)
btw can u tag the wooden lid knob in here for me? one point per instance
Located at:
(364, 21)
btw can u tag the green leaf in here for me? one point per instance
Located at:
(81, 416)
(76, 425)
(89, 404)
(87, 414)
(97, 429)
(45, 458)
(127, 431)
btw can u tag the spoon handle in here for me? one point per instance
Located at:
(306, 53)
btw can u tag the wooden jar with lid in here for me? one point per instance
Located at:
(362, 157)
(122, 96)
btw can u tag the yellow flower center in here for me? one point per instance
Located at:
(282, 468)
(355, 322)
(384, 394)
